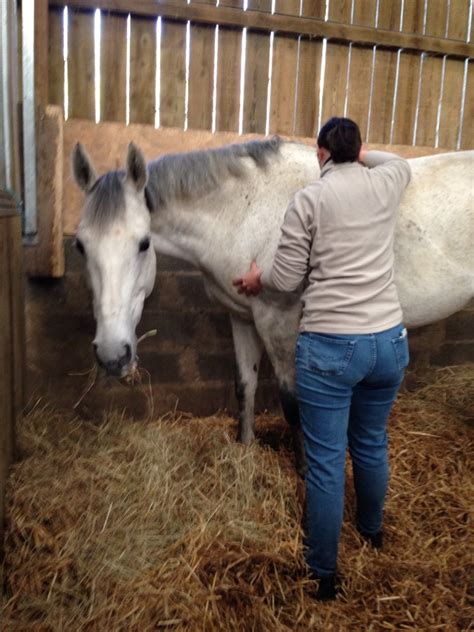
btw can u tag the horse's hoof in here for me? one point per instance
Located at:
(301, 471)
(301, 467)
(245, 439)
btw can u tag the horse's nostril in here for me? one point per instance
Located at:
(128, 352)
(95, 347)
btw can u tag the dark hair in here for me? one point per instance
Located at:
(341, 137)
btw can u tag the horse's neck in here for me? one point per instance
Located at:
(180, 232)
(192, 229)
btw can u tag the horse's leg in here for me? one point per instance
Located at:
(278, 329)
(291, 412)
(248, 353)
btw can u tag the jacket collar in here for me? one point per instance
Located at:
(329, 166)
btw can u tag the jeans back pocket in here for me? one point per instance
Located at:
(400, 347)
(330, 355)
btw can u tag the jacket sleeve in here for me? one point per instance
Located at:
(392, 168)
(291, 261)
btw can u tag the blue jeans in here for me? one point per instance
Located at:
(346, 385)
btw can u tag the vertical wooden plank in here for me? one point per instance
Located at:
(173, 74)
(361, 66)
(18, 318)
(389, 15)
(142, 70)
(113, 63)
(451, 103)
(228, 80)
(436, 18)
(201, 74)
(358, 92)
(41, 51)
(413, 15)
(235, 4)
(340, 11)
(313, 9)
(407, 96)
(260, 5)
(11, 339)
(307, 102)
(285, 50)
(429, 98)
(288, 7)
(6, 363)
(382, 96)
(334, 81)
(458, 19)
(81, 65)
(467, 136)
(55, 57)
(364, 12)
(256, 82)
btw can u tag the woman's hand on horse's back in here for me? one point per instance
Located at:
(362, 154)
(249, 284)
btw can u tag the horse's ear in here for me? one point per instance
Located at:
(82, 168)
(136, 167)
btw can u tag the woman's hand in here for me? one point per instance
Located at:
(362, 154)
(250, 283)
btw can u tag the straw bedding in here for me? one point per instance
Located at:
(169, 524)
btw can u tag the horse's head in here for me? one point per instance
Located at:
(114, 237)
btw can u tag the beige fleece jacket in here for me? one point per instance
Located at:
(337, 236)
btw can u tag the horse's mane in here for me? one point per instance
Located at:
(179, 177)
(193, 174)
(106, 199)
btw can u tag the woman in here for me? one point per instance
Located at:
(352, 349)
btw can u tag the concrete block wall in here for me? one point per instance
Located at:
(190, 361)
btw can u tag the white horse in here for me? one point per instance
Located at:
(219, 209)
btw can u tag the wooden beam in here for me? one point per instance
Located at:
(257, 20)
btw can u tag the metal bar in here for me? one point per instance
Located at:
(9, 150)
(30, 219)
(5, 142)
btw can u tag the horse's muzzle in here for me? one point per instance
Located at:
(114, 367)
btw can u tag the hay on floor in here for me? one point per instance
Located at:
(121, 525)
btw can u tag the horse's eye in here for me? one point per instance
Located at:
(80, 247)
(144, 244)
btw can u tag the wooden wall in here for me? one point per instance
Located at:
(403, 75)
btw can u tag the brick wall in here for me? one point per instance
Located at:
(190, 360)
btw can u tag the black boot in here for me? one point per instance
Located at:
(375, 539)
(327, 587)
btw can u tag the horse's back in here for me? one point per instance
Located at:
(434, 254)
(439, 205)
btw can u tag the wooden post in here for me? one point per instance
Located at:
(11, 338)
(46, 258)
